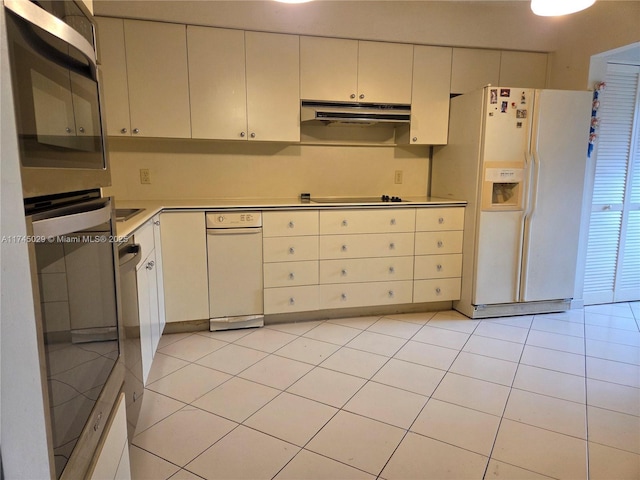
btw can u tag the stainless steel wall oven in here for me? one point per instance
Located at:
(73, 250)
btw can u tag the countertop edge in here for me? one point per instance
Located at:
(150, 208)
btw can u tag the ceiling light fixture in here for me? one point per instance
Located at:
(554, 8)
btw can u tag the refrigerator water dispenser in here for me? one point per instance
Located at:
(503, 186)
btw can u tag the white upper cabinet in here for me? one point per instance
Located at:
(158, 79)
(472, 69)
(113, 66)
(273, 86)
(430, 95)
(523, 69)
(328, 69)
(355, 71)
(217, 83)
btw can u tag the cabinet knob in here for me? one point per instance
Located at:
(392, 270)
(343, 272)
(393, 221)
(440, 244)
(291, 225)
(439, 267)
(253, 135)
(414, 139)
(392, 246)
(81, 129)
(391, 294)
(344, 223)
(292, 250)
(441, 220)
(68, 130)
(123, 130)
(343, 297)
(150, 265)
(242, 134)
(438, 290)
(292, 301)
(353, 95)
(361, 96)
(156, 223)
(291, 276)
(343, 248)
(136, 130)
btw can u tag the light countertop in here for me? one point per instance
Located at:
(152, 207)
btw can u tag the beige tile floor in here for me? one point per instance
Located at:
(417, 396)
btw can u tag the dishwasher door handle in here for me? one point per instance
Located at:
(234, 231)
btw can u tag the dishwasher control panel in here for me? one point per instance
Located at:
(234, 219)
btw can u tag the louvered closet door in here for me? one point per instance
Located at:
(612, 272)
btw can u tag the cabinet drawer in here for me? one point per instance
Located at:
(362, 246)
(290, 249)
(284, 274)
(438, 290)
(365, 294)
(290, 299)
(437, 243)
(289, 223)
(438, 266)
(368, 221)
(143, 236)
(437, 219)
(366, 270)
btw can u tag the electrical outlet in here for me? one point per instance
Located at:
(145, 176)
(397, 179)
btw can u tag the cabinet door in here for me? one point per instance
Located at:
(144, 314)
(385, 72)
(430, 95)
(472, 69)
(273, 86)
(113, 69)
(217, 83)
(159, 276)
(523, 69)
(328, 69)
(158, 79)
(184, 261)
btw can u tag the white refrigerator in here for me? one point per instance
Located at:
(517, 156)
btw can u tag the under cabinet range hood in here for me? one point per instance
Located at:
(335, 113)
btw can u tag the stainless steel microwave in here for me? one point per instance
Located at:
(56, 97)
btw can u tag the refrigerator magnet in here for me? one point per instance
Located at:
(504, 107)
(505, 92)
(521, 113)
(494, 95)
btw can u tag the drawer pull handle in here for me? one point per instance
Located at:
(438, 290)
(344, 248)
(392, 270)
(391, 294)
(439, 267)
(393, 221)
(344, 223)
(343, 272)
(291, 276)
(150, 265)
(292, 250)
(441, 220)
(292, 301)
(440, 244)
(392, 246)
(291, 225)
(343, 297)
(156, 223)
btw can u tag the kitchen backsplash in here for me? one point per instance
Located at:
(180, 169)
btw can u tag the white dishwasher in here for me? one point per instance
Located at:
(234, 255)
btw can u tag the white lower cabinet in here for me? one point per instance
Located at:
(112, 461)
(438, 254)
(291, 299)
(184, 264)
(365, 294)
(148, 278)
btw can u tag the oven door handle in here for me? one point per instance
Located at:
(39, 17)
(62, 221)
